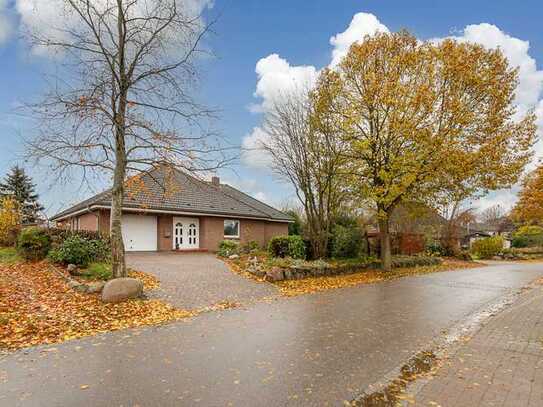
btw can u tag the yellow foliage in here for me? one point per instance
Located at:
(10, 219)
(422, 118)
(529, 208)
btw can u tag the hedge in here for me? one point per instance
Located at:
(287, 246)
(488, 247)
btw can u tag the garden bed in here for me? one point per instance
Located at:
(37, 306)
(313, 276)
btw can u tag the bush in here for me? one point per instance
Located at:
(80, 251)
(296, 247)
(228, 248)
(287, 246)
(488, 247)
(250, 247)
(434, 249)
(99, 271)
(33, 243)
(347, 242)
(528, 236)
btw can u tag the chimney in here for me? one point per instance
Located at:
(215, 181)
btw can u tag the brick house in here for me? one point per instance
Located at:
(167, 209)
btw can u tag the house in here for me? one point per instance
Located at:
(168, 209)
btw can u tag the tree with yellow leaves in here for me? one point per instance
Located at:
(422, 119)
(10, 220)
(529, 208)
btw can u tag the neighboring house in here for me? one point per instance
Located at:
(167, 209)
(477, 231)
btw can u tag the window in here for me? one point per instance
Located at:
(231, 228)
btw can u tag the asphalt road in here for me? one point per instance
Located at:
(318, 349)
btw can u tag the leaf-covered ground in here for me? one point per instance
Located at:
(310, 285)
(37, 307)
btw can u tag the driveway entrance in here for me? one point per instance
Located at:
(194, 280)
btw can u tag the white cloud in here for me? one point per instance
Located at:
(361, 25)
(276, 76)
(252, 154)
(6, 26)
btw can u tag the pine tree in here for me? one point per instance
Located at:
(19, 186)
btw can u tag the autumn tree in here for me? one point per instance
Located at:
(529, 208)
(419, 115)
(18, 185)
(308, 156)
(10, 220)
(122, 99)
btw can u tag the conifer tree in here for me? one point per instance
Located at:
(19, 186)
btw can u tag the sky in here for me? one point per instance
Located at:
(262, 48)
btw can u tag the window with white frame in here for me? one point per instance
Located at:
(231, 228)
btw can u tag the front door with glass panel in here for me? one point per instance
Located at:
(186, 233)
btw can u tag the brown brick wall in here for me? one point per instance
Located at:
(211, 232)
(88, 221)
(275, 229)
(211, 229)
(165, 232)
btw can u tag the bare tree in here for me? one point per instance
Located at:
(493, 215)
(121, 100)
(308, 157)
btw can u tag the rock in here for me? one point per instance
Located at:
(275, 274)
(95, 287)
(233, 256)
(259, 273)
(496, 258)
(73, 270)
(121, 289)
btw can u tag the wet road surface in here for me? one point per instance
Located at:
(318, 349)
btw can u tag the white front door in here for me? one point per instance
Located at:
(186, 233)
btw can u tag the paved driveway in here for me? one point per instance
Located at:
(311, 350)
(194, 280)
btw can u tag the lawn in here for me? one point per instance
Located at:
(8, 255)
(38, 307)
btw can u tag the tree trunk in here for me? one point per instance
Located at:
(117, 246)
(384, 234)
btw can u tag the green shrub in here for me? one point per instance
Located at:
(434, 249)
(278, 246)
(528, 236)
(287, 246)
(250, 247)
(80, 251)
(488, 247)
(33, 243)
(347, 241)
(228, 248)
(296, 247)
(98, 271)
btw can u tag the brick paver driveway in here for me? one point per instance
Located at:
(194, 280)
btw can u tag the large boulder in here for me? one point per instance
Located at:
(122, 289)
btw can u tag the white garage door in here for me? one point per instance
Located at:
(139, 233)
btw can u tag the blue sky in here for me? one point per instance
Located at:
(299, 32)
